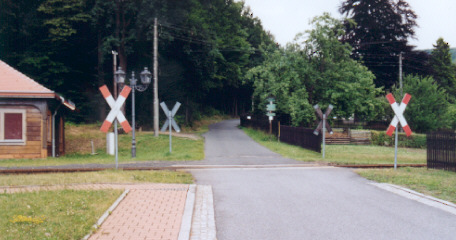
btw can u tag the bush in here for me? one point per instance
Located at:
(415, 141)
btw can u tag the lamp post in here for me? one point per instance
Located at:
(146, 77)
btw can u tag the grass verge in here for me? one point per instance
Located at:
(79, 139)
(437, 183)
(108, 176)
(341, 154)
(65, 214)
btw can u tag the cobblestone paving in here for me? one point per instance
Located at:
(203, 222)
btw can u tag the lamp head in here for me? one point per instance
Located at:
(120, 76)
(146, 76)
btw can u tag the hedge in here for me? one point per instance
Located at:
(416, 140)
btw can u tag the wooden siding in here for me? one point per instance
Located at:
(33, 144)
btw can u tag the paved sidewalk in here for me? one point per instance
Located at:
(149, 211)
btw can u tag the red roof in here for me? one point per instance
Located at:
(14, 84)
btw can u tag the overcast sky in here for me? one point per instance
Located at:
(285, 18)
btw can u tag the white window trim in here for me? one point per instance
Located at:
(2, 127)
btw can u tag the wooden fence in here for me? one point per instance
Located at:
(441, 150)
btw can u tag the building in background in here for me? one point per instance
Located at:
(31, 117)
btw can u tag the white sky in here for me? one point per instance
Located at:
(285, 18)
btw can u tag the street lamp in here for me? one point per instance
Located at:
(146, 77)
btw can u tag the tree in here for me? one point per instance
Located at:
(378, 31)
(428, 107)
(443, 70)
(317, 68)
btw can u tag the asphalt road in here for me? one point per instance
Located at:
(305, 203)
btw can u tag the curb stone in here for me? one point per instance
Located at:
(107, 213)
(186, 225)
(419, 197)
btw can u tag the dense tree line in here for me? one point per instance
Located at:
(205, 48)
(353, 63)
(214, 56)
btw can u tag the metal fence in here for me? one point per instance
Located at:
(261, 124)
(298, 136)
(441, 150)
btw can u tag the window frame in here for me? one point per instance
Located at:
(2, 127)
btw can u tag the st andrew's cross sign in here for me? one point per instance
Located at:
(115, 109)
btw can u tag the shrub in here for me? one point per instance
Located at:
(415, 141)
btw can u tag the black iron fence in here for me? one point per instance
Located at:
(261, 124)
(297, 136)
(441, 150)
(300, 136)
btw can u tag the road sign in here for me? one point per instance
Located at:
(323, 119)
(323, 124)
(170, 115)
(270, 107)
(115, 109)
(170, 122)
(399, 114)
(270, 114)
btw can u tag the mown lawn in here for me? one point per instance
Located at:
(341, 154)
(437, 183)
(148, 148)
(66, 214)
(108, 176)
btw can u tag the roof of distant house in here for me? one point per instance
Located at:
(14, 84)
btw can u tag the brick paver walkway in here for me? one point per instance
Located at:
(149, 211)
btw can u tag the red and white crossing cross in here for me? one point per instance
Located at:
(115, 109)
(399, 114)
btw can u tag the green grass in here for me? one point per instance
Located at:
(108, 176)
(437, 183)
(65, 214)
(148, 148)
(341, 154)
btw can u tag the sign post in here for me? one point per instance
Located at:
(170, 122)
(115, 114)
(270, 108)
(323, 125)
(398, 118)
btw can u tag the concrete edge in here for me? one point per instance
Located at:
(107, 213)
(186, 225)
(211, 213)
(419, 197)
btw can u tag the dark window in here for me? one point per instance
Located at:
(13, 126)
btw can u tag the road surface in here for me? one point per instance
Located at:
(293, 203)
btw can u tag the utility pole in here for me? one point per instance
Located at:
(400, 73)
(396, 138)
(155, 78)
(114, 58)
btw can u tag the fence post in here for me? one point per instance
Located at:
(278, 131)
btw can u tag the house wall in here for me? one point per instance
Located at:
(35, 126)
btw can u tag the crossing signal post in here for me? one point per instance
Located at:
(398, 118)
(323, 125)
(115, 114)
(170, 122)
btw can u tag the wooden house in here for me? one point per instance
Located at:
(31, 125)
